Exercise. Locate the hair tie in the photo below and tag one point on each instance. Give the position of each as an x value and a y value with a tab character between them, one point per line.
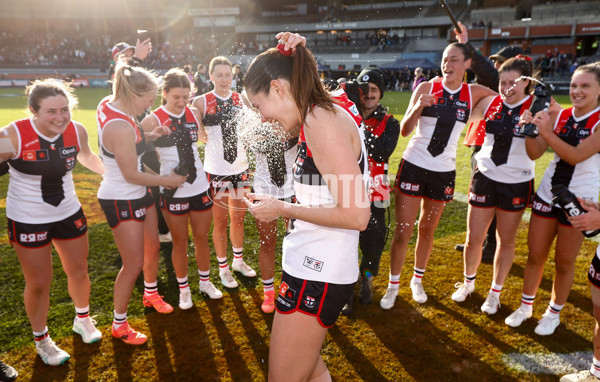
527	58
281	49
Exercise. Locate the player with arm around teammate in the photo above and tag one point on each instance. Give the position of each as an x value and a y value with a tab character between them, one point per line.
573	135
438	110
502	184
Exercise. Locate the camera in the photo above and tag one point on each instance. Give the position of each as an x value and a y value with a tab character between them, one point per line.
569	203
355	91
542	96
180	169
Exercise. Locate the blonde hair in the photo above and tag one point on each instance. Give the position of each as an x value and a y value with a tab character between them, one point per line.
133	80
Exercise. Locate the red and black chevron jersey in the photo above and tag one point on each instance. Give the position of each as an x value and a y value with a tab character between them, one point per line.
305	171
41	188
181	146
224	153
583	178
434	144
314	252
503	156
114	186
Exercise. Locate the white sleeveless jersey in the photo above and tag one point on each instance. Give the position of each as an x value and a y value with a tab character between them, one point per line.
314	252
181	145
434	144
273	174
224	153
41	188
113	185
583	178
503	156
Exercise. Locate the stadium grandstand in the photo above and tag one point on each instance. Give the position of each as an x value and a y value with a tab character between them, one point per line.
73	38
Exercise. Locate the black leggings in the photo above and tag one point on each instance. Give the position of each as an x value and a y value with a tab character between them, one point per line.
372	240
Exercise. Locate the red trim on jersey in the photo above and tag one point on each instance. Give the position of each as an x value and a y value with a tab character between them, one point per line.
437	89
105	113
29	139
210	102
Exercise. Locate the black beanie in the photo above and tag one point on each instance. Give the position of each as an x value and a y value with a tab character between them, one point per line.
373	75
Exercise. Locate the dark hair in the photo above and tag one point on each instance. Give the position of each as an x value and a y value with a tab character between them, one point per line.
41	89
200	67
219	60
466	51
301	72
591	68
175	78
521	65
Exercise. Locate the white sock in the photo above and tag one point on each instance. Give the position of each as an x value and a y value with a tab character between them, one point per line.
394	282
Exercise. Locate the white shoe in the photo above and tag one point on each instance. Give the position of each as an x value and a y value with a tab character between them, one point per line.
548	324
519	316
463	290
227	279
582	376
211	290
185	299
165	237
418	293
50	353
491	304
86	328
388	299
243	268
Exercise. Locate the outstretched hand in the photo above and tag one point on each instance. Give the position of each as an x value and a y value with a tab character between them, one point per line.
142	49
463	36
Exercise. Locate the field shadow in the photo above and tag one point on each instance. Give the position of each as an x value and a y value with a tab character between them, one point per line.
82	354
363	367
422	340
123	358
258	343
236	364
45	373
181	346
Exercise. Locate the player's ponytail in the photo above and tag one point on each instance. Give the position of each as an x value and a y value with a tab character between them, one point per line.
132	80
300	69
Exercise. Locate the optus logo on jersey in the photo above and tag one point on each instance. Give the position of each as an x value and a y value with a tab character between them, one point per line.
65	152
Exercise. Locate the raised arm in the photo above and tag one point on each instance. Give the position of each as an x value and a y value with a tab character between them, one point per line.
419	100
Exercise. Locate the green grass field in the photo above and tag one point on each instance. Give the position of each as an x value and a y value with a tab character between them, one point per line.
228	339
